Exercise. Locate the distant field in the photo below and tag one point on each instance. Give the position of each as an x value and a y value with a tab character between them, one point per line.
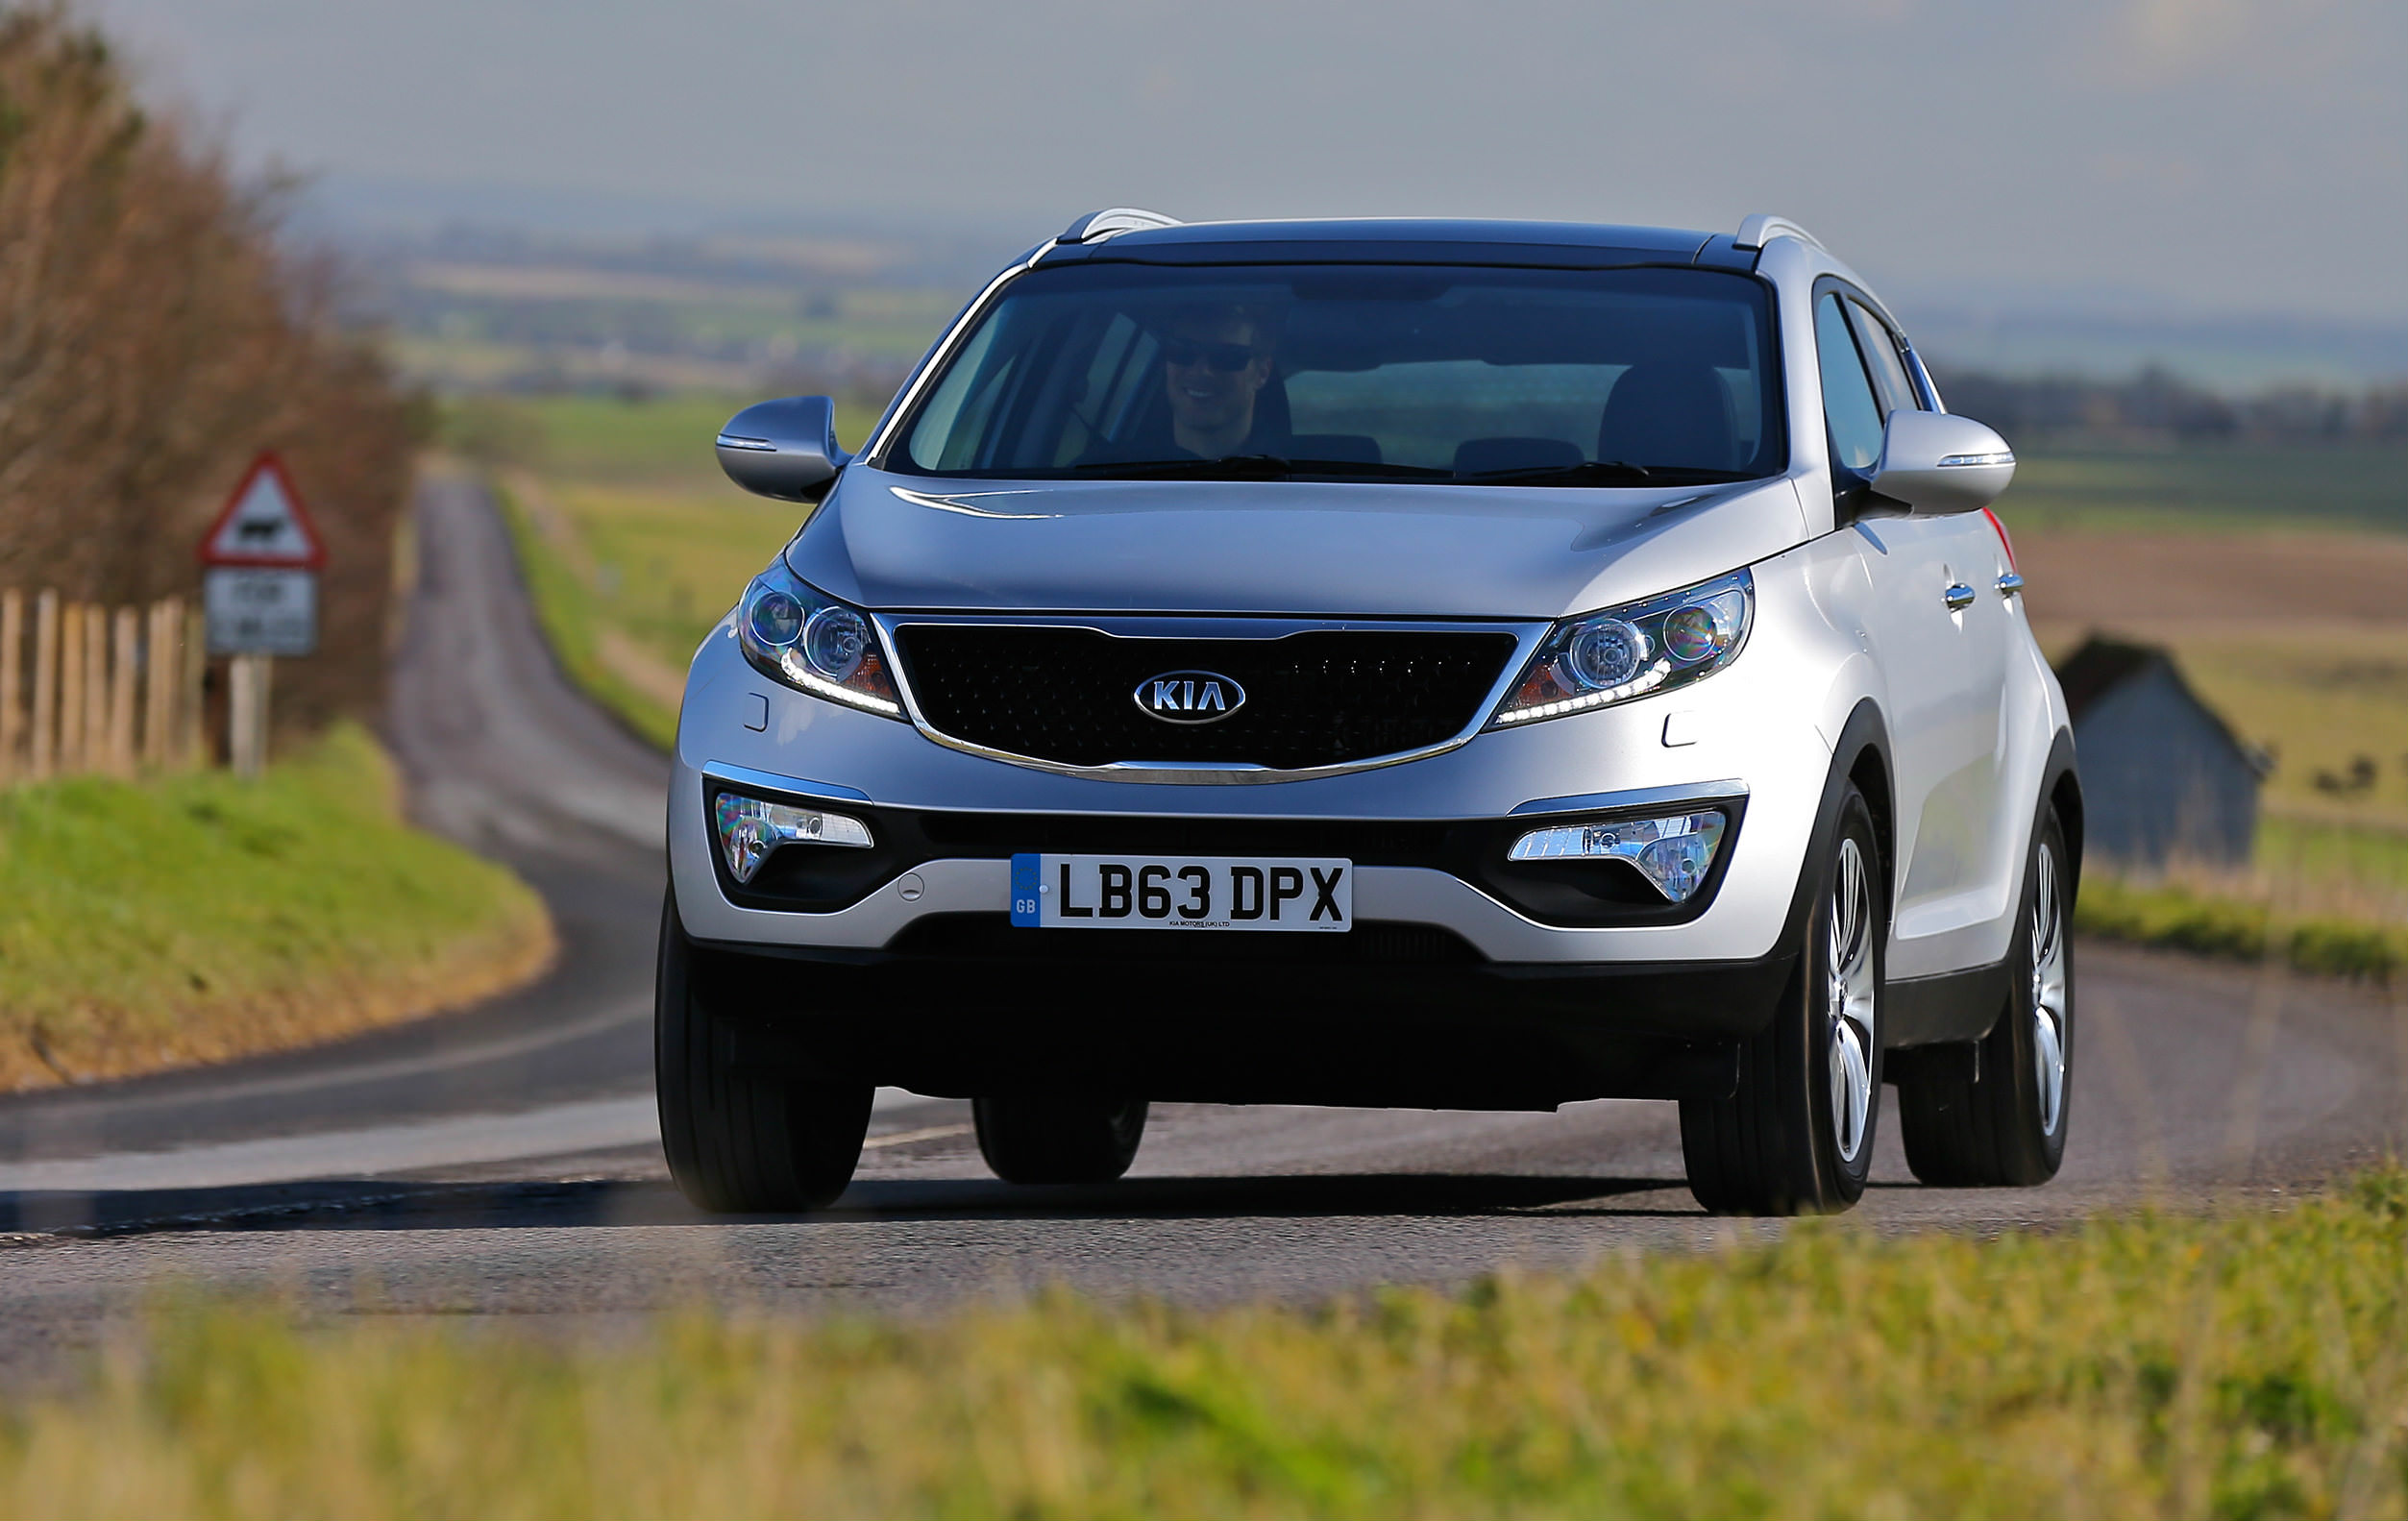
475	325
2299	639
2217	486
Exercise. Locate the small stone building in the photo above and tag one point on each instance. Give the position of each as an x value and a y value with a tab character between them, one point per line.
2162	777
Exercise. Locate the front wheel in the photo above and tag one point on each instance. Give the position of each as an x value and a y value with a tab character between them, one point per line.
741	1139
1796	1135
2006	1127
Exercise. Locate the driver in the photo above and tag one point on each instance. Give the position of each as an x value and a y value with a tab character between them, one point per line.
1216	360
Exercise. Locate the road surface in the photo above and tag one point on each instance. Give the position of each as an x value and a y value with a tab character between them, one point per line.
504	1160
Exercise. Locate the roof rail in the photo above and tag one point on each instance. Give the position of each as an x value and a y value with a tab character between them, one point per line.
1113	219
1760	229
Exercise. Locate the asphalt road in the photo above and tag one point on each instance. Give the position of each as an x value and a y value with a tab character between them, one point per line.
504	1160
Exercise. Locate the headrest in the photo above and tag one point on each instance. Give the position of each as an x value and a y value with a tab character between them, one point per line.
1669	413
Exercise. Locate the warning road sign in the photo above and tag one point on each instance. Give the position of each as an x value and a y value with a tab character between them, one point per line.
259	588
264	523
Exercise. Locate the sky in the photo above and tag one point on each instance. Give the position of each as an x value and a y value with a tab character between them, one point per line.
2208	155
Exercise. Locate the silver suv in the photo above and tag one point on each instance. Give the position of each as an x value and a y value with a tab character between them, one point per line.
1446	664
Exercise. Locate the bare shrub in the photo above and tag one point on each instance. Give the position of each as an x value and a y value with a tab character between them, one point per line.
153	338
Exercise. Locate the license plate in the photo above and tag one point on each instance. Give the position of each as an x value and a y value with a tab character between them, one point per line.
1122	892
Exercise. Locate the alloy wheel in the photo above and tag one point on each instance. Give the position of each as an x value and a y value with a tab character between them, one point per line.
1849	1001
2048	998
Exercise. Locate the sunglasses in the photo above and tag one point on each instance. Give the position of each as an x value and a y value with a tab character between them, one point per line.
1227	357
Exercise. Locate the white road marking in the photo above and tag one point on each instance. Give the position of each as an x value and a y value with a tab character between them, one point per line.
595	1124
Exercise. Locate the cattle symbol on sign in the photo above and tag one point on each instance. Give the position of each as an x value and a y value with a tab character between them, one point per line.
260	590
264	523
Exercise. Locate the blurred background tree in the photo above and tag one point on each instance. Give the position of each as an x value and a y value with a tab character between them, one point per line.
153	337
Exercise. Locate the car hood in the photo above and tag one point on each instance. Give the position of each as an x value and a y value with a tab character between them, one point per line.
1342	550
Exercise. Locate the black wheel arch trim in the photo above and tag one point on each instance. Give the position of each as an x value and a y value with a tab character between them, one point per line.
1959	1008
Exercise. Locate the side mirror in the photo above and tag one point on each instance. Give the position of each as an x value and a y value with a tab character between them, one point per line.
784	448
1938	462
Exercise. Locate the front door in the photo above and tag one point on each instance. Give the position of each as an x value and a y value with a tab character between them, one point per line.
1938	628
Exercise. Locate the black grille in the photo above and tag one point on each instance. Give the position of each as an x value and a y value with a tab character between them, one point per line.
1323	697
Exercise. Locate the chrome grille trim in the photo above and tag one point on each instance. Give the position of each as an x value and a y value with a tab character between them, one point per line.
1526	637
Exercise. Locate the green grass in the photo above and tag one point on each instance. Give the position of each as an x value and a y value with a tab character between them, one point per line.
2374	860
195	916
2325	899
633	542
2207	922
626	580
2236	485
2238	1363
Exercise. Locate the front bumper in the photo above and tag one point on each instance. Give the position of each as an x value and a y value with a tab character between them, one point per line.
1747	737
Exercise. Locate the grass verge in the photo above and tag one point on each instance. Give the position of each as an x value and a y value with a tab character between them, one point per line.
2327	899
195	918
2241	1363
2182	917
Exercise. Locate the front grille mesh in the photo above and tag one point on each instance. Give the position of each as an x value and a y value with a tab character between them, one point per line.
1322	698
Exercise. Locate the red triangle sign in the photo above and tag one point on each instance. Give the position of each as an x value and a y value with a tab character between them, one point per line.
264	523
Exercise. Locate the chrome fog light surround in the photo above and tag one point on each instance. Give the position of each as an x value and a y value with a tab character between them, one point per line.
1674	852
750	828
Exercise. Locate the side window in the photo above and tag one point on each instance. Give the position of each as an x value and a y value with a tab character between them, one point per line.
1848	407
1889	370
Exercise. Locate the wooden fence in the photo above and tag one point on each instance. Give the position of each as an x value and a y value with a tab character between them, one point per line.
86	687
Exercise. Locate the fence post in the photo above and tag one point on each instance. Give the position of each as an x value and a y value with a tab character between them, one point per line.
247	704
12	672
126	635
195	741
43	751
70	689
160	673
96	687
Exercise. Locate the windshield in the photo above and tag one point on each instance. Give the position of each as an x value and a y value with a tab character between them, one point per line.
1622	376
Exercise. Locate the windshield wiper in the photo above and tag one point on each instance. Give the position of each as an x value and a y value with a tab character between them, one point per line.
1250	467
1587	473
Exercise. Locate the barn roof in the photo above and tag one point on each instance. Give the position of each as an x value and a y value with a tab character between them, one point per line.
2101	665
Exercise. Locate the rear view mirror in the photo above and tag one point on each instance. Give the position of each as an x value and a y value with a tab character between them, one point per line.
1938	462
784	448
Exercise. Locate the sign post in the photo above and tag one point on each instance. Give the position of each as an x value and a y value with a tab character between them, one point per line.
259	596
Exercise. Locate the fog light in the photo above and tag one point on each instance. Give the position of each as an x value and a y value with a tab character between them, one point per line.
1674	853
750	828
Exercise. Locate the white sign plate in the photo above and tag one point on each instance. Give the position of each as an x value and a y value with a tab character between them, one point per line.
253	611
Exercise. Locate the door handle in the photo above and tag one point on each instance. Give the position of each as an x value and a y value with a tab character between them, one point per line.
1958	595
2009	585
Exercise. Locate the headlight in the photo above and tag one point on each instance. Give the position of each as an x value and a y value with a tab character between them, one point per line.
1632	652
814	643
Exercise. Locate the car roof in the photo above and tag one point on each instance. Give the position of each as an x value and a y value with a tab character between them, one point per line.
1408	240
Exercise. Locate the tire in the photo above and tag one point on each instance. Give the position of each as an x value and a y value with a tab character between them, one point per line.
739	1140
1059	1137
2006	1128
1796	1135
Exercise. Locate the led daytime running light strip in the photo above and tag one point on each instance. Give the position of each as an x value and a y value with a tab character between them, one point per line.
1646	680
797	670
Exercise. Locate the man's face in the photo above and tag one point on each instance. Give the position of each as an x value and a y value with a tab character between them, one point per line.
1212	371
